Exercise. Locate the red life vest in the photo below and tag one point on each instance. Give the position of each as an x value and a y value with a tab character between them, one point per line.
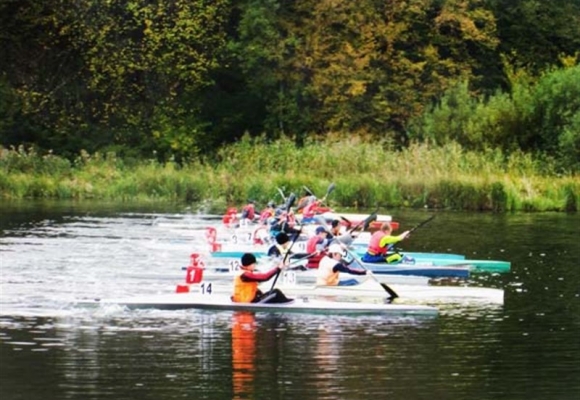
310	210
311	248
248	211
374	244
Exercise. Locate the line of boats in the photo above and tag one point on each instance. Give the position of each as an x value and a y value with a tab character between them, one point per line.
409	279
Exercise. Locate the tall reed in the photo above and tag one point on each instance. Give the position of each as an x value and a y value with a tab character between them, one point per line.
366	175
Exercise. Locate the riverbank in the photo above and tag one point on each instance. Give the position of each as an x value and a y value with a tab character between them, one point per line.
366	175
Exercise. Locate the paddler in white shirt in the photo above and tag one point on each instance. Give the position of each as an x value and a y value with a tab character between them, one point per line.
332	265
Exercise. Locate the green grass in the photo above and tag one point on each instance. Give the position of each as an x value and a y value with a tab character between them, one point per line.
366	175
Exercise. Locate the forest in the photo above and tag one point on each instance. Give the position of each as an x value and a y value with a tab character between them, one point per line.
179	80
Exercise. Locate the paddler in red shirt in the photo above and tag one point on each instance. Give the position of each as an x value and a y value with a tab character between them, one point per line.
246	283
316	247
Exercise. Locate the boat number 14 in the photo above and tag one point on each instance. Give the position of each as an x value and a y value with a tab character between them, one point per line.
206	288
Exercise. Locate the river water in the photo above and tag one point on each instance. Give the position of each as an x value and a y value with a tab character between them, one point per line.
53	254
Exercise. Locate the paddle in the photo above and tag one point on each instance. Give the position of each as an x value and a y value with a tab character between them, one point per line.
329	190
396	251
421	224
282	195
365	223
393	295
291	200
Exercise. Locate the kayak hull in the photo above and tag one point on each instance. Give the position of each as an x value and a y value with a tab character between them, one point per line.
474	266
183	301
430	271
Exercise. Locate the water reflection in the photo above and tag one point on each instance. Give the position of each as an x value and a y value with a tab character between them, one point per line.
243	354
526	349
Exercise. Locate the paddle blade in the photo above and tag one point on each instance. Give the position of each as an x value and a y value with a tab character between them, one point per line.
368	220
330	189
390	291
345	239
290	201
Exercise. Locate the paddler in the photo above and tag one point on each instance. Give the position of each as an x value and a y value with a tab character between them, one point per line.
281	247
246	283
316	247
380	243
332	264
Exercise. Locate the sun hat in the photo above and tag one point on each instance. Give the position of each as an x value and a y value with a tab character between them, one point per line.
335	248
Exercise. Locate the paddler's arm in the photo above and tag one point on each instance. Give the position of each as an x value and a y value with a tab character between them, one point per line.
259	276
387	240
340	267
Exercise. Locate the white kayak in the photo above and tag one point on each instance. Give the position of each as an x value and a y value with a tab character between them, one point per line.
370	288
181	301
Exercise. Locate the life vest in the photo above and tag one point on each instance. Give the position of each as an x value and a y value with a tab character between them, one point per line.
310	210
313	261
374	244
244	292
326	276
265	215
248	212
230	219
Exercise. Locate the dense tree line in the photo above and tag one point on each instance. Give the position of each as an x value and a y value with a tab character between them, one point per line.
180	78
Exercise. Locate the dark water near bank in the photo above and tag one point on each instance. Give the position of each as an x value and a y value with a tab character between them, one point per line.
52	254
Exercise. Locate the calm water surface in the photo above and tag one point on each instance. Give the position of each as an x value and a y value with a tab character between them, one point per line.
52	254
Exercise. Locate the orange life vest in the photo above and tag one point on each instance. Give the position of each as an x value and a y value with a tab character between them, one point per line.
244	292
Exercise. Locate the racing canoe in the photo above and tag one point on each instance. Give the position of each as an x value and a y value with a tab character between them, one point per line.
181	301
475	266
370	288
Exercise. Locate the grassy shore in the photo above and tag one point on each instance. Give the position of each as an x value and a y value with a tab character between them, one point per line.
366	175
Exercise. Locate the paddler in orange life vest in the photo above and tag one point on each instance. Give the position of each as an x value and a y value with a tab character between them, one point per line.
379	245
316	247
246	283
330	267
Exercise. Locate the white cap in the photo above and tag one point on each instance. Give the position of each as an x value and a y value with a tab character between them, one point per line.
335	248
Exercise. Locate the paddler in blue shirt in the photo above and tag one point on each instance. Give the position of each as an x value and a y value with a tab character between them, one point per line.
246	283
